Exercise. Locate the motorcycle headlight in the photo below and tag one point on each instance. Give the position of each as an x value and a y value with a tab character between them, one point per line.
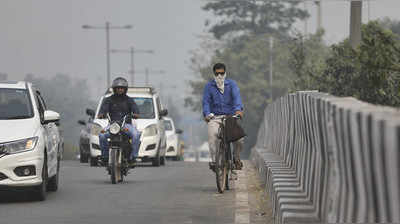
115	128
150	130
95	129
20	145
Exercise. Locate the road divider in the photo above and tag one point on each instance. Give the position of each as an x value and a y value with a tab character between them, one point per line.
330	159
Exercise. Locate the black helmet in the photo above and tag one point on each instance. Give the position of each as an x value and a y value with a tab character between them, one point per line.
120	82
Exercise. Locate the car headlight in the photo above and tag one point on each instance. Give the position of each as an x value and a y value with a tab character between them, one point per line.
20	145
150	130
115	128
95	129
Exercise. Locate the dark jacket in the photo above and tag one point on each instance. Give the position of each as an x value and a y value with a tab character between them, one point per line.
118	106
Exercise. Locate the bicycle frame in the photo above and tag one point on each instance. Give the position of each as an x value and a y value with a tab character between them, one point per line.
224	166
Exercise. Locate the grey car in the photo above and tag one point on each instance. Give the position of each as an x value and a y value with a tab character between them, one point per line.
84	138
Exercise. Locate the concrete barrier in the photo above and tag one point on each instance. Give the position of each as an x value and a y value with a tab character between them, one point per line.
327	159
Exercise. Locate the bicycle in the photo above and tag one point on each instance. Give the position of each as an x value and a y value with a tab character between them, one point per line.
224	159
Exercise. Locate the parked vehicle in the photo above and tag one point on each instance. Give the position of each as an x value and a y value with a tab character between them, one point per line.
149	123
30	146
84	138
204	152
172	139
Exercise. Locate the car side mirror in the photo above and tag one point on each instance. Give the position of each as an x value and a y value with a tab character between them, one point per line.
90	112
163	113
51	116
82	122
178	131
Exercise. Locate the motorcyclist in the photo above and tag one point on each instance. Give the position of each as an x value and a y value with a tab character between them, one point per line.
221	97
117	106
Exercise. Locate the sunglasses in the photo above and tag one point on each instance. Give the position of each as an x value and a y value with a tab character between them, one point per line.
219	73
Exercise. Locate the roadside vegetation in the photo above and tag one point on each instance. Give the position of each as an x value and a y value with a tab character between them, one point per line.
239	36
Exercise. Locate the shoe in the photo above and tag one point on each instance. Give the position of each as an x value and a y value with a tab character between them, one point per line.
212	166
238	164
132	162
103	161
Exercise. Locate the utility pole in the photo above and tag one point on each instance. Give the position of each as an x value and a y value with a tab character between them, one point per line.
305	20
107	28
319	15
132	52
271	68
355	23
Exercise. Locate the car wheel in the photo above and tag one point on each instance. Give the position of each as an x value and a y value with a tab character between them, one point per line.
40	191
92	161
156	161
52	185
162	160
82	157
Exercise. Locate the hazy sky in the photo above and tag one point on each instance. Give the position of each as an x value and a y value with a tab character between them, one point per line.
45	36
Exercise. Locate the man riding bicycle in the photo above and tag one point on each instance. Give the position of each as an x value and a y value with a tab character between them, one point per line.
118	106
221	97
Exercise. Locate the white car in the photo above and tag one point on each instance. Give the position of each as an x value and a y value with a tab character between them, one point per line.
150	124
204	153
30	146
172	139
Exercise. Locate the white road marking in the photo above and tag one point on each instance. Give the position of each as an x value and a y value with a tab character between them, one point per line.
242	213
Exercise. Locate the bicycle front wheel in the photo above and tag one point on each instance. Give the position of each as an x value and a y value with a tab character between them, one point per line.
221	169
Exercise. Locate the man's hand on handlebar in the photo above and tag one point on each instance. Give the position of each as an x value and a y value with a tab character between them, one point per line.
239	113
135	116
209	117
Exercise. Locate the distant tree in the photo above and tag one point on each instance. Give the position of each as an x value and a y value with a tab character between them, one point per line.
393	25
247	64
253	17
371	72
307	61
68	97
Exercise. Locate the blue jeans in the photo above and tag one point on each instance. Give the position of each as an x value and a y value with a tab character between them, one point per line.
132	132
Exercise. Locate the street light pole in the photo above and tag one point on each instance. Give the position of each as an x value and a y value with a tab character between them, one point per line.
107	28
271	47
132	52
147	76
355	23
108	53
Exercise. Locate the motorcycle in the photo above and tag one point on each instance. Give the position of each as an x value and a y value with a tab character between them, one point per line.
119	150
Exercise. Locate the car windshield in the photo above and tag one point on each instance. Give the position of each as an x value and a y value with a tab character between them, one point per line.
168	125
15	104
146	108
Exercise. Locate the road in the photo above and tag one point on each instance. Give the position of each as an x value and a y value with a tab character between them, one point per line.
180	192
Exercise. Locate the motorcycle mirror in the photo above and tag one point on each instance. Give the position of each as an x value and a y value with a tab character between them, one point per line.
90	112
82	122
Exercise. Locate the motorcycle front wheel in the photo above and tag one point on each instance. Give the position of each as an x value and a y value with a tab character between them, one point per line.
115	166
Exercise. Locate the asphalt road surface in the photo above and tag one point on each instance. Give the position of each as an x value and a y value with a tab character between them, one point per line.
180	192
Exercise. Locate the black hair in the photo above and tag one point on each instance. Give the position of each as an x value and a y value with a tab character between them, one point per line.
219	66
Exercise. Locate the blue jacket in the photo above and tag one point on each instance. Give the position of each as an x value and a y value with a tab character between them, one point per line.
221	104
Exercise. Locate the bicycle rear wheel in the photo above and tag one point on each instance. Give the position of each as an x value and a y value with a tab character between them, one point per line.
221	169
